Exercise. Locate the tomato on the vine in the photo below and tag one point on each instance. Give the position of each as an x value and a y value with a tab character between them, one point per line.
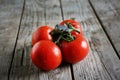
46	55
75	50
42	33
74	24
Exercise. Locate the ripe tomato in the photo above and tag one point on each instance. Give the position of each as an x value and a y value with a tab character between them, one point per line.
42	33
46	55
74	24
75	50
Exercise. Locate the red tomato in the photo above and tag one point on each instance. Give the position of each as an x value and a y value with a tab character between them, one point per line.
42	33
46	55
75	50
74	24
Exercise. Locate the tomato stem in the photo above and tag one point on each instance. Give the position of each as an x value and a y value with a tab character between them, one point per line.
63	33
58	40
71	27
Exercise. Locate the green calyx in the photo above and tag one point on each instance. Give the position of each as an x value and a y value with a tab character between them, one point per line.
63	33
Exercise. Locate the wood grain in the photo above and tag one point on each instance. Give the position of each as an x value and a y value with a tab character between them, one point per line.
102	63
10	14
109	15
36	13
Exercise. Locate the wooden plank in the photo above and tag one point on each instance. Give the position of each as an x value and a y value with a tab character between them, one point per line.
109	15
102	63
37	12
10	14
53	17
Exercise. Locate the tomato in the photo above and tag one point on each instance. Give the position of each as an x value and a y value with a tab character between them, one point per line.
42	33
46	55
75	50
74	24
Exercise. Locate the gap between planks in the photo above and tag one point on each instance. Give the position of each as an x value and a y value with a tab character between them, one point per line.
71	68
9	70
103	28
104	64
62	72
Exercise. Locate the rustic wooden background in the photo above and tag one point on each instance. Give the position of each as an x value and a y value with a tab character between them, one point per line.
100	20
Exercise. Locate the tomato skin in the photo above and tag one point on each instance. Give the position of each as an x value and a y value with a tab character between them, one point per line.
42	33
46	55
74	24
76	50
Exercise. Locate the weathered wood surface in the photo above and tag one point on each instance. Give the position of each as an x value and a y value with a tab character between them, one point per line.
19	18
36	13
10	14
108	12
102	63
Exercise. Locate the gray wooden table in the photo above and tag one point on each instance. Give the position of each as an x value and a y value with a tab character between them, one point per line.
100	20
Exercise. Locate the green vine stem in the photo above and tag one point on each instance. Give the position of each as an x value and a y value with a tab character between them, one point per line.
63	33
71	28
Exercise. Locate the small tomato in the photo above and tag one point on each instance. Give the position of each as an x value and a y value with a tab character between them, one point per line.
75	50
46	55
42	33
74	24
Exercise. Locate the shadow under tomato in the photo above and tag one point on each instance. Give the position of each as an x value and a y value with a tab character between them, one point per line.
22	67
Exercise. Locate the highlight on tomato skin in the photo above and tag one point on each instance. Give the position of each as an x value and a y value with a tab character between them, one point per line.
42	33
75	51
46	55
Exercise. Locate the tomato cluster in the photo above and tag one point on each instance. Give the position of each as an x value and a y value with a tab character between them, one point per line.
64	42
